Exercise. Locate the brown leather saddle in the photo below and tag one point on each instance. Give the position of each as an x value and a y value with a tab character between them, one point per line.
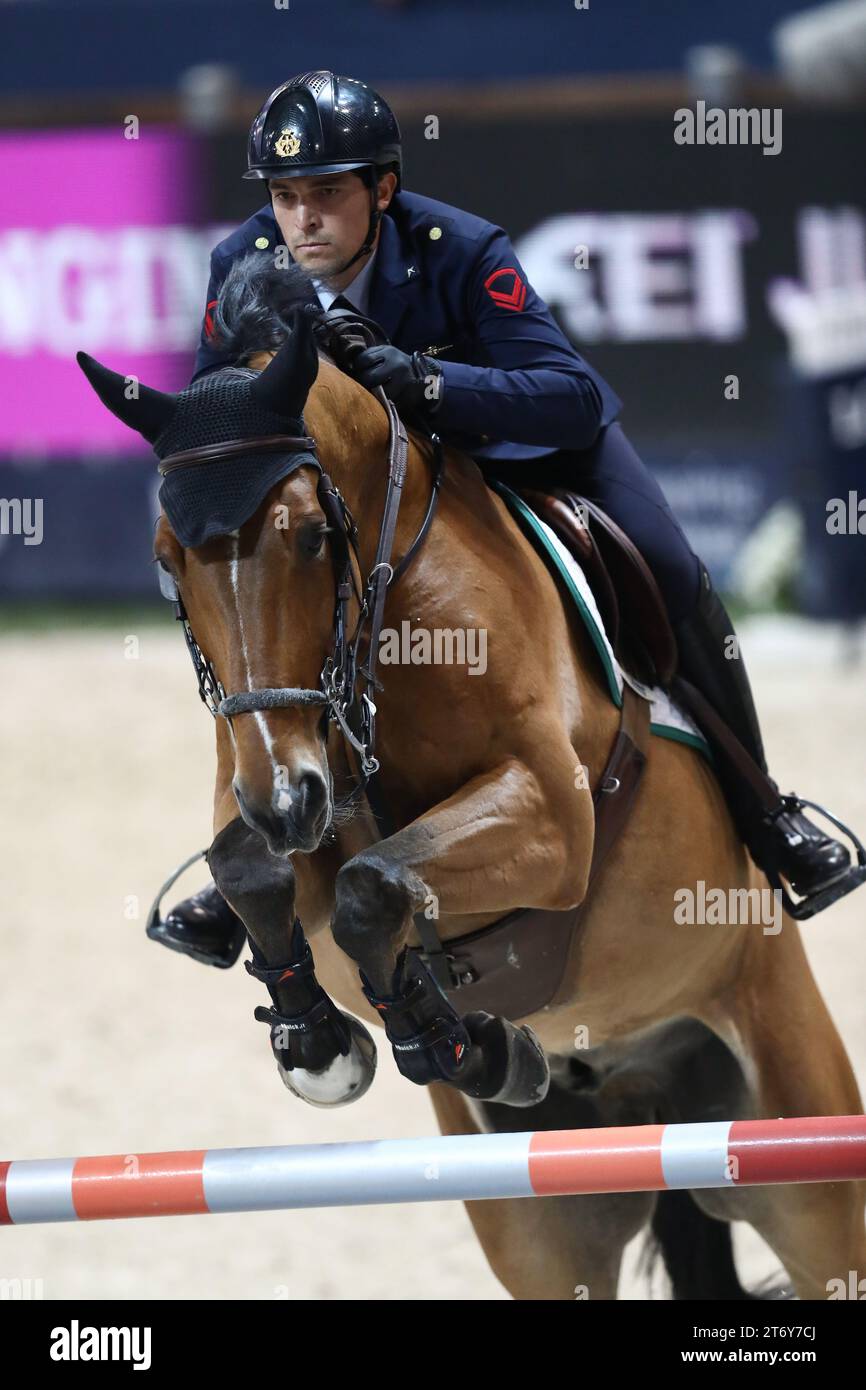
528	960
629	601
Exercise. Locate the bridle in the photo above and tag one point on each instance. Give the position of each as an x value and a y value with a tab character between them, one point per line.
348	681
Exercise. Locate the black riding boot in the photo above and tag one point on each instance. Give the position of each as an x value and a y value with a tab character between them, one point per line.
780	838
203	926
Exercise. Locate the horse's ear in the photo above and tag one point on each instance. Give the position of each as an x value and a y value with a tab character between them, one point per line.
148	412
285	383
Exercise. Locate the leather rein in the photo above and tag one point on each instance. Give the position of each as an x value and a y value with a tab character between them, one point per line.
347	681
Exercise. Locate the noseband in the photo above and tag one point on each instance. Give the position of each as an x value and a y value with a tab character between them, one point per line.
347	685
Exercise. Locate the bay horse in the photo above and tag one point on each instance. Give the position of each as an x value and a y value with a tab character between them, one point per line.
662	1022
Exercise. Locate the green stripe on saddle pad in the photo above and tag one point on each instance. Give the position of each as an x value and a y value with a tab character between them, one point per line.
668	721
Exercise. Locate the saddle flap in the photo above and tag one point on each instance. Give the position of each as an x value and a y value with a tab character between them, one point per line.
639	595
562	514
629	601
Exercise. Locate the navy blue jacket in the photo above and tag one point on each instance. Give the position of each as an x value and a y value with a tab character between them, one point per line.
443	279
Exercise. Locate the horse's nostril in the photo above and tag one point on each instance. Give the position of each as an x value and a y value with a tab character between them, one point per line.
312	795
296	815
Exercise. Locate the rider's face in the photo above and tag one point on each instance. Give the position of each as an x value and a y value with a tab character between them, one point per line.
324	217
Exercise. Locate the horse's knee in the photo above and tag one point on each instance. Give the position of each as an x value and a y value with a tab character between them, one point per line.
247	875
373	895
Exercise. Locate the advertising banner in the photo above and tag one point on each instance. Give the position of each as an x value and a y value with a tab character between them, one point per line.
98	251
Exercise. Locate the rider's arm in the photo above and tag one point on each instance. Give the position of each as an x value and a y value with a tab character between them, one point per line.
537	389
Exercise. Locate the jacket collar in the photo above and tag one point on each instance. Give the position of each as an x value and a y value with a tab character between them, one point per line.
396	278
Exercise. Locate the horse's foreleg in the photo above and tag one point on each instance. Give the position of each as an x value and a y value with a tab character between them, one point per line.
323	1055
501	842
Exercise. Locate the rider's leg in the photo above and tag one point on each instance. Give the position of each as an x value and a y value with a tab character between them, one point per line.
613	475
779	836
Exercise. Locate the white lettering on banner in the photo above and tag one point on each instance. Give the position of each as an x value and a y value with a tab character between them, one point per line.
19	271
74	262
652	276
832	247
675	276
135	289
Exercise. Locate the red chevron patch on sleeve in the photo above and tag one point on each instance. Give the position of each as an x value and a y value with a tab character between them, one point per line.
511	293
208	318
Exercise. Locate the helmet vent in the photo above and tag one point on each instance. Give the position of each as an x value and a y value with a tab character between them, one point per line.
315	81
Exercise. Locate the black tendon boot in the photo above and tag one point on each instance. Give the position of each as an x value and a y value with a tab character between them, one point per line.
481	1054
712	682
203	926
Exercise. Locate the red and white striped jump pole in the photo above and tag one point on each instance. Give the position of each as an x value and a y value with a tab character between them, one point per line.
645	1158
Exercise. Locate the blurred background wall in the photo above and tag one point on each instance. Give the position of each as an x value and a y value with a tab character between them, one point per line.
724	296
150	43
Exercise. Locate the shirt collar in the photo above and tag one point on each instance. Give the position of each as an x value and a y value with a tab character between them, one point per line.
358	293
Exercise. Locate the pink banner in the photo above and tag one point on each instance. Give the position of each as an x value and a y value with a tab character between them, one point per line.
98	251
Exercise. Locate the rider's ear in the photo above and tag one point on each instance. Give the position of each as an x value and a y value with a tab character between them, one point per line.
386	186
138	406
285	383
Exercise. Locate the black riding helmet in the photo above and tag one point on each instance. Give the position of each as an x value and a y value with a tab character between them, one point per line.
318	123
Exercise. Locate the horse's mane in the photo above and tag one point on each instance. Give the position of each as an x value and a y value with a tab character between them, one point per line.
255	305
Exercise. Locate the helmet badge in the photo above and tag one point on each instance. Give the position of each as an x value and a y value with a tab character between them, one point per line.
287	144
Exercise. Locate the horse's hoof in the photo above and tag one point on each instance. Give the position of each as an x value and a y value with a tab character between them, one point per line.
516	1057
343	1080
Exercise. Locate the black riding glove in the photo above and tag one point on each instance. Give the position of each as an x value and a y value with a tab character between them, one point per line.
413	383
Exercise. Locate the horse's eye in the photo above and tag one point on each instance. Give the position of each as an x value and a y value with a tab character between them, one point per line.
313	539
167	581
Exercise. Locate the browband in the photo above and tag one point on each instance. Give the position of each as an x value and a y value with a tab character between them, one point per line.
233	448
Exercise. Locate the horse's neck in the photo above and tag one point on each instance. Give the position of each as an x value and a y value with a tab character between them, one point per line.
351	432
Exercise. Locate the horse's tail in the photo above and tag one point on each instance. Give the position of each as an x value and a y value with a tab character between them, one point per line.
700	1078
697	1250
